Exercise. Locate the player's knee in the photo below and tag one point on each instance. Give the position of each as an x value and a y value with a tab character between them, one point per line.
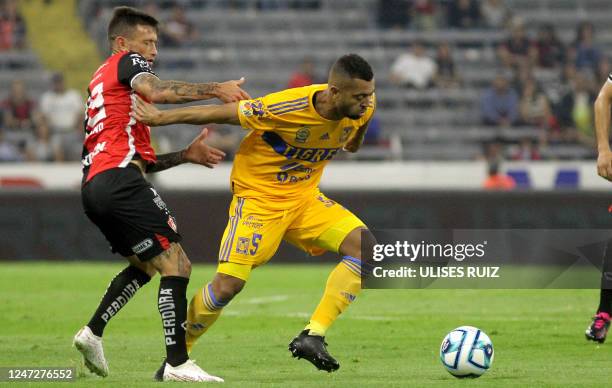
360	240
368	241
227	287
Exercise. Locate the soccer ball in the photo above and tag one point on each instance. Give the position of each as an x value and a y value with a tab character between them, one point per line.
466	352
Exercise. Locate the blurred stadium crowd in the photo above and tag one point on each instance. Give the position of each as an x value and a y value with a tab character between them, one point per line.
456	79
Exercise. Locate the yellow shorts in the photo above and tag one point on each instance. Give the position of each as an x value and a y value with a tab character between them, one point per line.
253	234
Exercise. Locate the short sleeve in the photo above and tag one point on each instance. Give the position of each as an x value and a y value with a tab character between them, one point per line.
253	114
131	66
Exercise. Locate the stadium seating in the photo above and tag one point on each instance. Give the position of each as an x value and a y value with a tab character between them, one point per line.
267	46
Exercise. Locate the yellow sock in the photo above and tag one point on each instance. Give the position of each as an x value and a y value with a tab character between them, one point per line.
203	311
343	286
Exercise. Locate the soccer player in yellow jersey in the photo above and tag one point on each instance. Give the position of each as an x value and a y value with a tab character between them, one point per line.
293	134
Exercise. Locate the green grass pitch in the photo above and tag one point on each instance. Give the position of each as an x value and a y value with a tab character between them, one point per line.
387	338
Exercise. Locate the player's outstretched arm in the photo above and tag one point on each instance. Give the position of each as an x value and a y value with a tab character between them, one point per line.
198	152
202	114
602	130
178	92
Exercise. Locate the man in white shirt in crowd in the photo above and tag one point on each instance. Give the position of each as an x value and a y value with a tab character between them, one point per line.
63	109
413	69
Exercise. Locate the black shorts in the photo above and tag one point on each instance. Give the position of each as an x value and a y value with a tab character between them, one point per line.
130	213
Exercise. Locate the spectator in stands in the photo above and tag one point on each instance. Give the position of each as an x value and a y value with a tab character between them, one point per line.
587	55
425	14
463	14
495	13
527	149
549	51
574	111
63	111
43	148
413	69
12	26
515	51
497	180
499	104
178	30
394	14
304	76
18	108
534	106
446	76
9	152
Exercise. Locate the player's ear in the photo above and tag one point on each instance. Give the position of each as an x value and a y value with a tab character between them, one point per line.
334	90
121	43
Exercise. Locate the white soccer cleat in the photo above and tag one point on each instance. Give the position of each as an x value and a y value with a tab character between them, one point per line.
90	347
189	371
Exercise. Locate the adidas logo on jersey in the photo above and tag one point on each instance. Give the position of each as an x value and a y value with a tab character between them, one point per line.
325	136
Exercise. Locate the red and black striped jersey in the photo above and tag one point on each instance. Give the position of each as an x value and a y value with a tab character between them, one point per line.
112	137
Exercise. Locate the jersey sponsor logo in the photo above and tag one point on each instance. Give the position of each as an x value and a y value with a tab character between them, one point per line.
142	246
252	108
302	134
138	60
88	159
346	131
291	152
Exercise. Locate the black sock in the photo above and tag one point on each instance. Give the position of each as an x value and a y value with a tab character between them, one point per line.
605	298
605	301
119	292
172	304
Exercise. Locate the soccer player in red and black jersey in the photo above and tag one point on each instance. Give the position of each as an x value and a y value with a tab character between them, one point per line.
118	199
598	330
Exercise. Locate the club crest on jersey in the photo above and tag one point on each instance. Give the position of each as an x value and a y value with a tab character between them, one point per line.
346	131
302	135
252	108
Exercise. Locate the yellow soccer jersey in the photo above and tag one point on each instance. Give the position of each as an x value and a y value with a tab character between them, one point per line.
281	160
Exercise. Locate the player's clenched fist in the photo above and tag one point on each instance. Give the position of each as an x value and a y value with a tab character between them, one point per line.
231	91
604	164
199	152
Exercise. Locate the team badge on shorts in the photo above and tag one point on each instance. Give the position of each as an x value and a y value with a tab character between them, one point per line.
172	223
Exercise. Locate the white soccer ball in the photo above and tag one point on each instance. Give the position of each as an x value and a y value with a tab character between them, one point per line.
466	352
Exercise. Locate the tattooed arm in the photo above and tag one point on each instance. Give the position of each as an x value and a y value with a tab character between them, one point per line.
166	161
178	92
198	152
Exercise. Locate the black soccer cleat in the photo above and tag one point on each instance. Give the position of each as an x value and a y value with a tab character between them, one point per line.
599	328
159	375
313	348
